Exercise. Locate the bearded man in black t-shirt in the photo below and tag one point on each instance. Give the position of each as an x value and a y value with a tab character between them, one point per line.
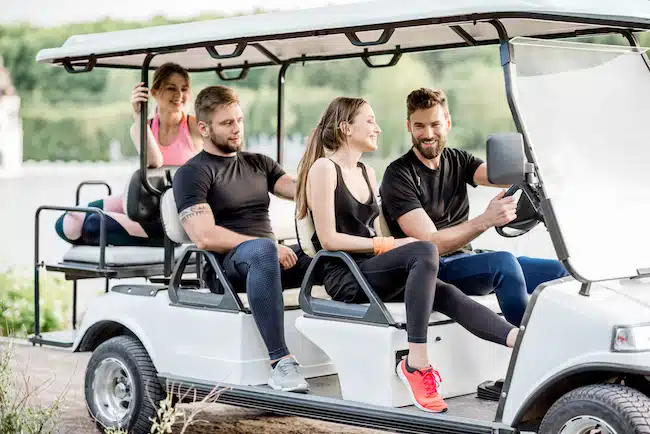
424	196
222	196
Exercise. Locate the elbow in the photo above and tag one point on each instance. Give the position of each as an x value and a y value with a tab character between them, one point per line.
201	242
327	244
155	160
155	163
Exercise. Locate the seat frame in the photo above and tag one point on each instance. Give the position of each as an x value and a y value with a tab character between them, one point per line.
75	270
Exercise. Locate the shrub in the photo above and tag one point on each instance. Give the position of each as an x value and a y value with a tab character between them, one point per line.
18	411
17	304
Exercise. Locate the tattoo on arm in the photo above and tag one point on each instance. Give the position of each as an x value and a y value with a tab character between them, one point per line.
193	211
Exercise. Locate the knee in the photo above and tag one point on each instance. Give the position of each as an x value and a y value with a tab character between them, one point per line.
507	265
506	262
426	252
264	252
558	270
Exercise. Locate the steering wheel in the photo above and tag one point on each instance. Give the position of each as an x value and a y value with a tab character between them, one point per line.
529	213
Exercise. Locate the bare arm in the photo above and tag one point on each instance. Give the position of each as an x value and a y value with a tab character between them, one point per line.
481	177
140	95
198	222
417	224
197	139
321	183
285	187
154	156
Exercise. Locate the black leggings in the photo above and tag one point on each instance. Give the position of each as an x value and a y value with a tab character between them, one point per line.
254	267
409	273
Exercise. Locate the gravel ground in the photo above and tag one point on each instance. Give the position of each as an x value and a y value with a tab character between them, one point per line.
59	373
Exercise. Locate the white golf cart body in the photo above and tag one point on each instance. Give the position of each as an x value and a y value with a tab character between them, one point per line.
589	328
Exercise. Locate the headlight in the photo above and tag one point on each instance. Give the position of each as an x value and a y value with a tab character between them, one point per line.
631	338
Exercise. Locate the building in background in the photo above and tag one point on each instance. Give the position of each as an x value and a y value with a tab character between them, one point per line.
11	132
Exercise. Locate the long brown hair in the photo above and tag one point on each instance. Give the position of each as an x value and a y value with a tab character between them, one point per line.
327	135
166	70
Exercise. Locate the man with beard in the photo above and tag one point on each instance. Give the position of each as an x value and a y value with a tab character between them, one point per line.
424	196
222	196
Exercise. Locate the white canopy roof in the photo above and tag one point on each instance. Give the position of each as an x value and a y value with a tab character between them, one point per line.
279	36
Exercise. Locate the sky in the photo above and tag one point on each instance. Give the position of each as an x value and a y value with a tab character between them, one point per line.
48	13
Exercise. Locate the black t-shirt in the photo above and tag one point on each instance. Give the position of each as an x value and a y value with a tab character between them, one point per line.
442	193
236	188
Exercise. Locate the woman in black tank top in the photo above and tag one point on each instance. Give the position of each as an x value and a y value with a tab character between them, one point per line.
340	193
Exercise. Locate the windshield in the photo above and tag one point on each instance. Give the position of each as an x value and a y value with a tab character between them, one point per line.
586	111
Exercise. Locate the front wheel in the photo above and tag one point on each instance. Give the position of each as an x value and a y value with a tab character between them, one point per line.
122	389
599	409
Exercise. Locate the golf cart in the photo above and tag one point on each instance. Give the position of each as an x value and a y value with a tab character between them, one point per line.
581	363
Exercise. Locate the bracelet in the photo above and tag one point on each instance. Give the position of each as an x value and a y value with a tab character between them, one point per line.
382	244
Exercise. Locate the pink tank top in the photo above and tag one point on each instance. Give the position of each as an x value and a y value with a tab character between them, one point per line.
180	149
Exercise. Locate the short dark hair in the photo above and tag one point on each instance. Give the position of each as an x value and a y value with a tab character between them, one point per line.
210	99
423	99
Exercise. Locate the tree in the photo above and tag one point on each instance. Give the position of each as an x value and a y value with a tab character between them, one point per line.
386	90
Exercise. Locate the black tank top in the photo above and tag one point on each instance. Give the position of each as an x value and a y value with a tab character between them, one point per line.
352	217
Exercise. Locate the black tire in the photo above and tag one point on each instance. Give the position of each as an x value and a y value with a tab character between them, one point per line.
625	410
146	389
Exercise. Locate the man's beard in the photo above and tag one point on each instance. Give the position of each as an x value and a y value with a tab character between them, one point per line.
223	144
430	152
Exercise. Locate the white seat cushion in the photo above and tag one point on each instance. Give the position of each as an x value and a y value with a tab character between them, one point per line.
281	213
121	256
398	310
171	222
290	296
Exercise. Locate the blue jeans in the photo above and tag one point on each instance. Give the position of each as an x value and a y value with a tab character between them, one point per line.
511	278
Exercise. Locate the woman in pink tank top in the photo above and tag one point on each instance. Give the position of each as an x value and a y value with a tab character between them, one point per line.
172	138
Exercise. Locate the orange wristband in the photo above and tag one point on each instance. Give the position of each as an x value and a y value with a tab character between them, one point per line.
376	245
382	244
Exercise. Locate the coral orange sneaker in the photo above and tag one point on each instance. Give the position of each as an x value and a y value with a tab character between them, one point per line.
423	386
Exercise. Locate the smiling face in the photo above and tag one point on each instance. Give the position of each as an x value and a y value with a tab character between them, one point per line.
173	93
362	133
429	129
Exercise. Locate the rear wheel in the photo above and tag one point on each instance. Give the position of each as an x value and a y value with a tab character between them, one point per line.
599	409
121	386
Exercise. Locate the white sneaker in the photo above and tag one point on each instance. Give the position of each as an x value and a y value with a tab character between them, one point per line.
287	378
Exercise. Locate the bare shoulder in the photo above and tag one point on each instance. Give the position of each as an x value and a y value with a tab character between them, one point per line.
322	167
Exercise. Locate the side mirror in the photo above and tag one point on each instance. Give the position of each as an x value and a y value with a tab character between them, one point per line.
506	160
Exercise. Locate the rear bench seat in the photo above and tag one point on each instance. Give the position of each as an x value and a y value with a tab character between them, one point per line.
125	261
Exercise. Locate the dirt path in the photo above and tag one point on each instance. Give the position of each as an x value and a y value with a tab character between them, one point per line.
59	372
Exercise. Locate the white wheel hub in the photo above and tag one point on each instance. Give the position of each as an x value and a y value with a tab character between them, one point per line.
586	425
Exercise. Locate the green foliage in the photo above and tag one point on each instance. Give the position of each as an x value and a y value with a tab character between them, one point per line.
386	90
76	116
82	133
17	304
19	413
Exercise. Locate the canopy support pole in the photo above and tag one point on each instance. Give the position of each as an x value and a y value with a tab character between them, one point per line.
280	118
